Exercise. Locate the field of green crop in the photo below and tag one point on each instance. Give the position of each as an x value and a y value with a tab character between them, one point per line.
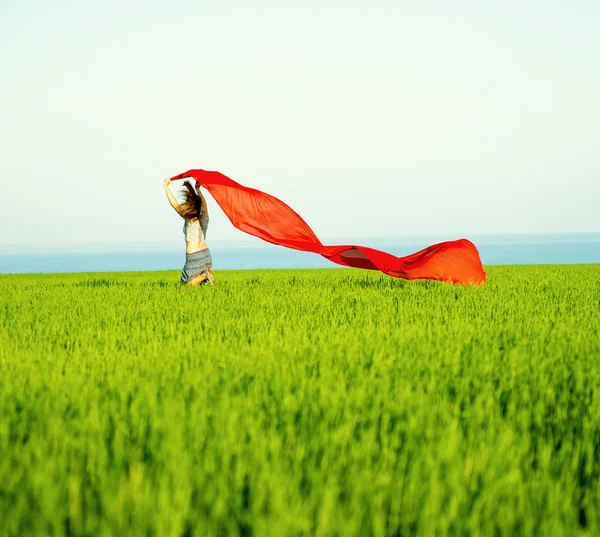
296	403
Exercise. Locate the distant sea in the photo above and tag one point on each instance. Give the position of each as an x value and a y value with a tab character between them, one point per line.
568	248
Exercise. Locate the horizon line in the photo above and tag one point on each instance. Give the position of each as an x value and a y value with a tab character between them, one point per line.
254	241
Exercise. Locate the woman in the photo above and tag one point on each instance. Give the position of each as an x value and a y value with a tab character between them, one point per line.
198	261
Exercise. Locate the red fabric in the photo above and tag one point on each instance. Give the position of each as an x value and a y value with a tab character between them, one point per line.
268	218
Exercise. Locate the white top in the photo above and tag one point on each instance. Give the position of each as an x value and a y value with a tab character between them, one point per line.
195	230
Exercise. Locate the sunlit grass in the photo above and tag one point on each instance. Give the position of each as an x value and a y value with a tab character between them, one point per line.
300	402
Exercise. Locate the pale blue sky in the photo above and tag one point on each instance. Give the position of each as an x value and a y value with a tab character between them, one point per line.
369	118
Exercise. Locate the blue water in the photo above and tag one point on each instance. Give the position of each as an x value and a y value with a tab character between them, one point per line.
494	250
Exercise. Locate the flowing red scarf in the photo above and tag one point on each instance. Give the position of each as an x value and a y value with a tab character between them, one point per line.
271	220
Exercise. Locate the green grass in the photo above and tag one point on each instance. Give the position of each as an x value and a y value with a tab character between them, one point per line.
292	403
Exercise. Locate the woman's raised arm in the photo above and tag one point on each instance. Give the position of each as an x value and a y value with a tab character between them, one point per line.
172	199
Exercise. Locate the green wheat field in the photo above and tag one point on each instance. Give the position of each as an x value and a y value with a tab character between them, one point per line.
300	403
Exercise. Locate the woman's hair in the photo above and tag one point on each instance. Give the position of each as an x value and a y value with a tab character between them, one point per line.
191	208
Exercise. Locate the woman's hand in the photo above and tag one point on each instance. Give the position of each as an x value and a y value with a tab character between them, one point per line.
167	182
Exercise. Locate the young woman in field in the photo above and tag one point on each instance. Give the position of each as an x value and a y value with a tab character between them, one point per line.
198	261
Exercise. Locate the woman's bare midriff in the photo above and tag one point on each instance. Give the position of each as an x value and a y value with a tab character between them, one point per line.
191	247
